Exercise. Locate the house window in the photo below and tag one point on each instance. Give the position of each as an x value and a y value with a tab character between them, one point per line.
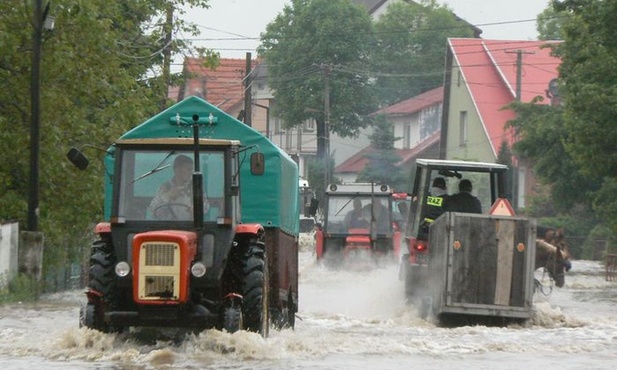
407	136
463	128
459	78
309	125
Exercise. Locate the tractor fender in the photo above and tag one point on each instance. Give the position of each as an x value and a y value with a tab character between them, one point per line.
102	228
250	229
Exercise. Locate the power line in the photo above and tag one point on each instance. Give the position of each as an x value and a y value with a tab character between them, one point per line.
420	29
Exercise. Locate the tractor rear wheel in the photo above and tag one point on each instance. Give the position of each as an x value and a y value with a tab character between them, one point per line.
255	291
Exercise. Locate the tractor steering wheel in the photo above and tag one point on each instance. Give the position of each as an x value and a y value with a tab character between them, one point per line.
170	206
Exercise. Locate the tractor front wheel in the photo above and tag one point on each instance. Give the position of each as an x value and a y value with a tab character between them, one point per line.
101	282
255	290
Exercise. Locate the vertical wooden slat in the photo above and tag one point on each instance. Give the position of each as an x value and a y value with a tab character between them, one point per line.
505	248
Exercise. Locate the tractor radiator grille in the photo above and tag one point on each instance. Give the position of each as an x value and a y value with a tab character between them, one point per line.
160	254
159	271
159	286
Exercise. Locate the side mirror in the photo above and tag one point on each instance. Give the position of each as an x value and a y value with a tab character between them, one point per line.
258	164
78	159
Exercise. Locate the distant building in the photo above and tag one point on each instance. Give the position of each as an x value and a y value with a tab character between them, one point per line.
417	122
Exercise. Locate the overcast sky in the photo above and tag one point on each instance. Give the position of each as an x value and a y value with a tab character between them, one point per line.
232	27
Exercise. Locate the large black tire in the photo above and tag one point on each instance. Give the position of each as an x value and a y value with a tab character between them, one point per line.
101	280
255	292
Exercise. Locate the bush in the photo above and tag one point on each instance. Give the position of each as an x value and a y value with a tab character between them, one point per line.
22	288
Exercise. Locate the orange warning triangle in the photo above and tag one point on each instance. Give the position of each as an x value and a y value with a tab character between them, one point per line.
501	207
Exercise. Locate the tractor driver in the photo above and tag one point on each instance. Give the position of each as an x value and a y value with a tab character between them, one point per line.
434	204
174	198
355	218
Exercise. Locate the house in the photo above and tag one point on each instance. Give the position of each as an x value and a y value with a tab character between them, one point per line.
481	79
376	8
300	141
416	121
225	87
222	86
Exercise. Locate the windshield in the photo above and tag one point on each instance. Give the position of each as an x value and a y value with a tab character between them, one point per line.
157	185
347	212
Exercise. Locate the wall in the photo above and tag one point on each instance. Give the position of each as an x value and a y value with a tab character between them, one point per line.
9	240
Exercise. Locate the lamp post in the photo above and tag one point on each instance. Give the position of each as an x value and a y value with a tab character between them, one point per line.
41	21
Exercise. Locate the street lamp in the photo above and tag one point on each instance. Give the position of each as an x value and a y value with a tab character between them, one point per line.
41	22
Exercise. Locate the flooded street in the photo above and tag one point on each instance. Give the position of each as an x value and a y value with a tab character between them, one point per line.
347	320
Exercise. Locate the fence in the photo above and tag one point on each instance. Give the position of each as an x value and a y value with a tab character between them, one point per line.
70	277
611	267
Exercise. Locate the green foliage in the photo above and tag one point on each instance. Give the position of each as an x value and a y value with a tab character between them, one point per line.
588	85
550	24
316	172
317	43
94	86
543	139
411	39
599	242
382	161
21	289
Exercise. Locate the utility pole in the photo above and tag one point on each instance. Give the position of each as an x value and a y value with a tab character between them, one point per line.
514	178
519	71
247	91
326	100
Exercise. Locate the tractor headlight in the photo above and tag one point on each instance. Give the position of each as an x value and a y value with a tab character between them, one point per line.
123	269
198	269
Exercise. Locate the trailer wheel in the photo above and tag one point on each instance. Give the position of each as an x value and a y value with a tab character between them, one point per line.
256	282
285	317
101	280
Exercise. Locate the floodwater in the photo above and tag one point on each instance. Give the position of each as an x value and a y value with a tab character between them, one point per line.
347	320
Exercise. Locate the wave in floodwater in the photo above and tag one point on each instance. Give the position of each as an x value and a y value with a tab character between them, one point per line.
346	319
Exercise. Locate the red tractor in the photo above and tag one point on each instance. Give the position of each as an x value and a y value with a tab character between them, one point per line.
205	258
358	226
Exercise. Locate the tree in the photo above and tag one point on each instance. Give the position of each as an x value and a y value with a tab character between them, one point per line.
588	86
382	166
543	138
550	23
313	50
411	39
94	86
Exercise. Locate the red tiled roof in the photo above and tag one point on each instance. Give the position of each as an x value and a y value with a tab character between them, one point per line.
415	104
489	70
356	163
223	86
